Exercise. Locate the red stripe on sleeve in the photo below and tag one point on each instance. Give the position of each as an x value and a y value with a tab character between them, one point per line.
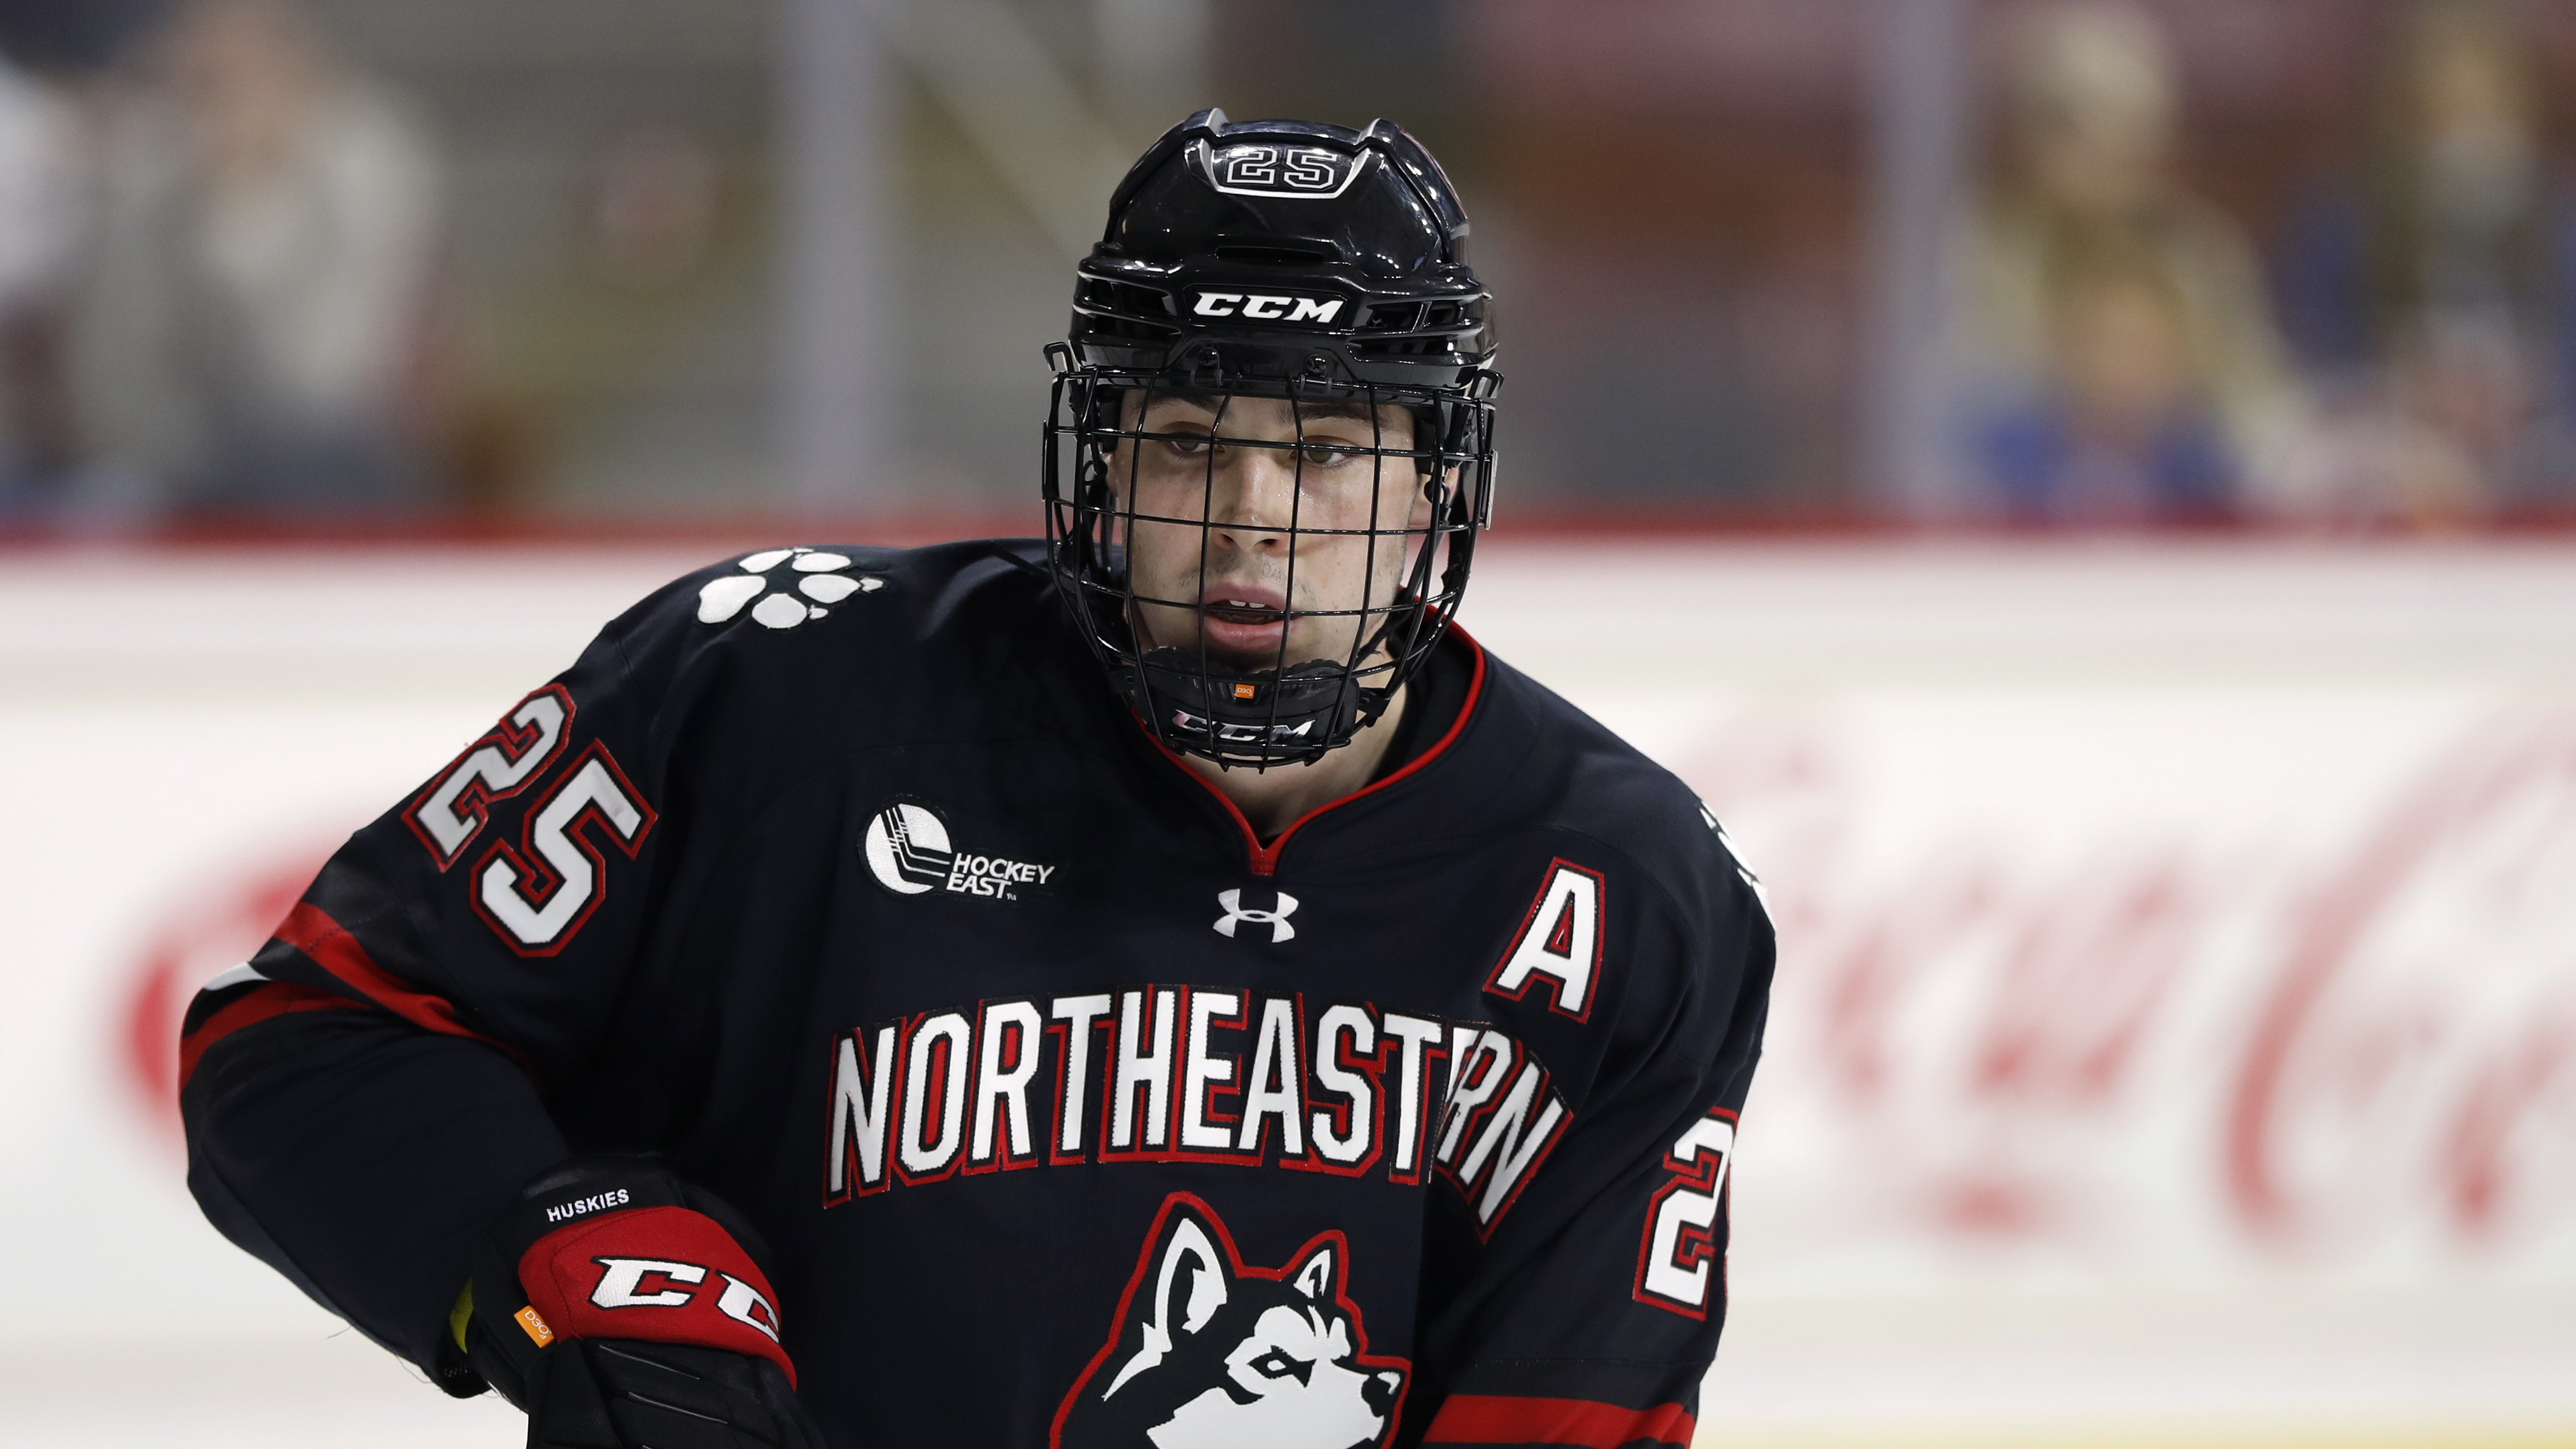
1493	1419
310	930
273	998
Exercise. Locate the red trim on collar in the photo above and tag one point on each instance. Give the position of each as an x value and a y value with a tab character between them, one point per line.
1265	858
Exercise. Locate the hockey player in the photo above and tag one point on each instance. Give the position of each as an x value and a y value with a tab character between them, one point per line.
1165	985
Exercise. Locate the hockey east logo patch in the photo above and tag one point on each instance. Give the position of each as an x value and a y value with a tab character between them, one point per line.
910	852
1208	1352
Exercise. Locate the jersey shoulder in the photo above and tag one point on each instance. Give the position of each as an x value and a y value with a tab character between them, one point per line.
852	638
885	597
1573	776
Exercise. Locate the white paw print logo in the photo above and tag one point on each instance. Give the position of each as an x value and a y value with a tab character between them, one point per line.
817	576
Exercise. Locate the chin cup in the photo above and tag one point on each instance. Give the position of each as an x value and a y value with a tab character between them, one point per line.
1273	717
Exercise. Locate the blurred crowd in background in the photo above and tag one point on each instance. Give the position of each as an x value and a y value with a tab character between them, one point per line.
2298	262
2386	338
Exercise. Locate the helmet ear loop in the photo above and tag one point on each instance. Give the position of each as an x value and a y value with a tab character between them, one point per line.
1432	460
1408	609
1077	521
1466	455
1094	501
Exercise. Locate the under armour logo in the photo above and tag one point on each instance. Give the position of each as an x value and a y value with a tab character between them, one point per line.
1276	920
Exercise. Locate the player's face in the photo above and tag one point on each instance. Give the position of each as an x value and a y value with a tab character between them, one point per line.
1242	589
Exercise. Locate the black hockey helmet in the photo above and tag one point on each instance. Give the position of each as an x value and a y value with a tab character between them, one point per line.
1285	260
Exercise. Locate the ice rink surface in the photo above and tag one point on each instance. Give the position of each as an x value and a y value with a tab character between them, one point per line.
2175	1040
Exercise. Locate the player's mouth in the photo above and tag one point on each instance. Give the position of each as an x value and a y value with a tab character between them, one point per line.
1239	619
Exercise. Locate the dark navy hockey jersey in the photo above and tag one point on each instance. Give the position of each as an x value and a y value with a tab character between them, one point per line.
841	879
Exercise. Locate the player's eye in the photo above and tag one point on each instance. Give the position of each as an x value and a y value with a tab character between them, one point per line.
1188	445
1327	455
1278	1365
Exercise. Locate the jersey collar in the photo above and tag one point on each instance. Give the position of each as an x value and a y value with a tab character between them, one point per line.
1264	859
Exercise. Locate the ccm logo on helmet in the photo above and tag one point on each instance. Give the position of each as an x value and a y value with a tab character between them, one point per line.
1266	307
661	1283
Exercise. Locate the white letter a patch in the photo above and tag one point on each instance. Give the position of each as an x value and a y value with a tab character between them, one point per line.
1560	939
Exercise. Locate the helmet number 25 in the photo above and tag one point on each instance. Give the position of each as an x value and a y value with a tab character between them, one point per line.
1279	166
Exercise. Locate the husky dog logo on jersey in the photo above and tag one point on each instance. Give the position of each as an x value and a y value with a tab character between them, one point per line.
1207	1352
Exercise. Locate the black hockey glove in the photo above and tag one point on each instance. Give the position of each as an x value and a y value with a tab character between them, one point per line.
622	1307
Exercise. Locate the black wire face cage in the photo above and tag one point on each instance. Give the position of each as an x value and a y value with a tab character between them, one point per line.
1284	709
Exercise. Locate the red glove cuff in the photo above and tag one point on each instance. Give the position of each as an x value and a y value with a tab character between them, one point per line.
663	1274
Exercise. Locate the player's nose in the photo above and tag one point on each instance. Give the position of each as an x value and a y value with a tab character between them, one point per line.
1255	500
